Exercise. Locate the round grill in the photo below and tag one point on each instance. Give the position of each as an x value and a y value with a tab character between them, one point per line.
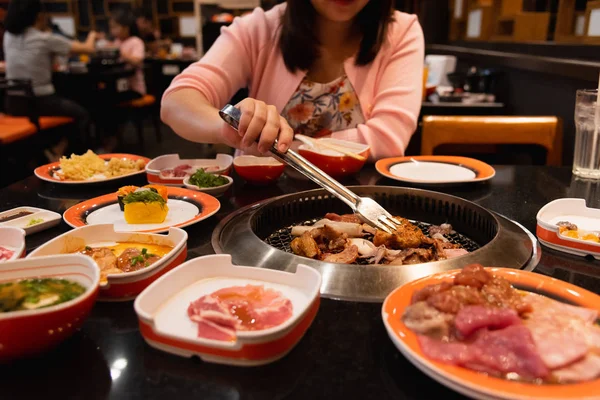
260	235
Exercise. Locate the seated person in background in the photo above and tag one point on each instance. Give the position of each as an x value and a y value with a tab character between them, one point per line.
350	69
124	30
29	53
151	36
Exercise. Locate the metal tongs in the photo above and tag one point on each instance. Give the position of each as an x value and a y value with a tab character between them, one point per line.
366	208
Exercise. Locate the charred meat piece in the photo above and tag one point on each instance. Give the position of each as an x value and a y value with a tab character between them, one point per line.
405	237
443	229
133	259
566	225
330	239
353	218
413	256
348	256
426	320
305	246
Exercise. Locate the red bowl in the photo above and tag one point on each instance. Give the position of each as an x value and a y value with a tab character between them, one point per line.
29	332
334	163
258	170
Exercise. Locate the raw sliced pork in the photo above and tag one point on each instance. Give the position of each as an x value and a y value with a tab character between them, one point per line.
239	308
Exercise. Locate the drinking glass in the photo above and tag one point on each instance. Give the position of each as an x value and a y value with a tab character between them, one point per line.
586	161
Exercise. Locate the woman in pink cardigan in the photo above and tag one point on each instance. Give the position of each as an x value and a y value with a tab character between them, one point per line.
349	69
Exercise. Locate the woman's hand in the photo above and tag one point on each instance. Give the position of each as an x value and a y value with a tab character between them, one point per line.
259	123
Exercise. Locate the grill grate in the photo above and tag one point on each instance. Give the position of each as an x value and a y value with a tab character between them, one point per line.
281	238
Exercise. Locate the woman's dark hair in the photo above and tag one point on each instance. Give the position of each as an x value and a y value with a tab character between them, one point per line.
299	44
21	14
125	17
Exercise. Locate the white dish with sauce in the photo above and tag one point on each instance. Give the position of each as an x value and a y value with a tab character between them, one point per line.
30	219
125	285
165	325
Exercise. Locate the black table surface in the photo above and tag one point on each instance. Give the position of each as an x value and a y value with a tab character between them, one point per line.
345	354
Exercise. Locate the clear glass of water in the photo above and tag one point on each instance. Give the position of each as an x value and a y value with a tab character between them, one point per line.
586	161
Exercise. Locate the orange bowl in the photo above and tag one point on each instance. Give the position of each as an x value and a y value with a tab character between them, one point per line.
334	163
258	170
29	332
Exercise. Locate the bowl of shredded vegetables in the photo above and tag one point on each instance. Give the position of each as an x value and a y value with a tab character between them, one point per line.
203	181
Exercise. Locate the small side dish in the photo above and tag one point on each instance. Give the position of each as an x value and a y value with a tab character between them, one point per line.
12	243
30	219
221	314
31	294
481	322
203	179
568	229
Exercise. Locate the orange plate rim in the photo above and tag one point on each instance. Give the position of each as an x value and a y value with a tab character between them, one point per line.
210	206
482	170
43	172
472	382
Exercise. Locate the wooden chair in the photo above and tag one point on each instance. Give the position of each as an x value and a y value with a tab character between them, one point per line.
490	130
140	109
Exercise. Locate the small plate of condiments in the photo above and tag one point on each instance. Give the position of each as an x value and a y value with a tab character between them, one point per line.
30	219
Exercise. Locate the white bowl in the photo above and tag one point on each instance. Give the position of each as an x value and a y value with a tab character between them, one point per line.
214	191
156	165
127	285
13	239
164	323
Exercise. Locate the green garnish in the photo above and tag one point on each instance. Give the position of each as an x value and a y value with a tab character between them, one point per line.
37	293
144	196
35	221
141	258
203	179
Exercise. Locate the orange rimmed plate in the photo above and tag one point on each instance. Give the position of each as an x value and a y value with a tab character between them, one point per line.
186	207
435	170
475	384
50	172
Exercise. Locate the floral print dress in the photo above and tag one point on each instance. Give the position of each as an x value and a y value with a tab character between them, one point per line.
319	109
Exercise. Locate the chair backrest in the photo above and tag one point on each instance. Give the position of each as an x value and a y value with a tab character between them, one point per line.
20	91
541	131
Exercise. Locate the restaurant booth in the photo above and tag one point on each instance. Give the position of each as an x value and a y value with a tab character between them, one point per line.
137	264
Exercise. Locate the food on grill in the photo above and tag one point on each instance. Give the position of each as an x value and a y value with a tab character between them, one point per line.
239	308
481	322
571	230
145	206
6	254
90	166
345	239
31	294
203	179
124	257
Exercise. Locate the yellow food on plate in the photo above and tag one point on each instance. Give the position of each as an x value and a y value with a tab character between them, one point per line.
145	206
119	166
90	165
80	168
146	213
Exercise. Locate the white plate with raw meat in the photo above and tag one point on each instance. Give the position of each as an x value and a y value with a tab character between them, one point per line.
498	333
228	314
170	170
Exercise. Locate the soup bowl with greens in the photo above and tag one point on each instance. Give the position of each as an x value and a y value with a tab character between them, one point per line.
43	301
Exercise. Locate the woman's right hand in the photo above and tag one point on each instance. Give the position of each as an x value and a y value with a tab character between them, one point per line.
259	123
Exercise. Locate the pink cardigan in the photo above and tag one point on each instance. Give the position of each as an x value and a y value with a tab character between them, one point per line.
389	89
